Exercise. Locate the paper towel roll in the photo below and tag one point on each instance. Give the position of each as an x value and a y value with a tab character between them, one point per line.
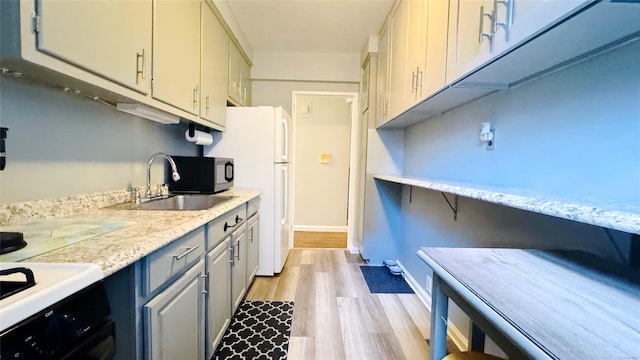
199	137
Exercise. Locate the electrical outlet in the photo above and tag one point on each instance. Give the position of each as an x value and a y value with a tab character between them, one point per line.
429	283
491	143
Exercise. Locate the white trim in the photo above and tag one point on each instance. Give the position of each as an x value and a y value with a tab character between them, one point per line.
320	228
354	250
354	165
456	336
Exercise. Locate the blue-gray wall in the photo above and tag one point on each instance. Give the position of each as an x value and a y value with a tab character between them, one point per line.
60	144
575	131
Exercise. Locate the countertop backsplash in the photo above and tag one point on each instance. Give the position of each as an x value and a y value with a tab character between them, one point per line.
19	212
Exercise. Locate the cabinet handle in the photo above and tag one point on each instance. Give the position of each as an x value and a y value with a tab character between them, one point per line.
251	234
140	68
227	226
195	97
509	21
232	250
205	280
238	253
185	253
481	31
244	94
420	80
207	104
414	77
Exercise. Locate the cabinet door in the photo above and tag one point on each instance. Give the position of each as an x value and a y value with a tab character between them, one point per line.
214	72
382	104
467	46
398	59
238	267
176	53
234	73
174	319
416	52
245	82
433	78
518	20
253	248
219	297
70	30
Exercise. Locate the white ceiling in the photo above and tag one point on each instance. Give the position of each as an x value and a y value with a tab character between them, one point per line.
335	26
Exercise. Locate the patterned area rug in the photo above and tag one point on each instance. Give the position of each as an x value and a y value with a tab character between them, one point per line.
258	330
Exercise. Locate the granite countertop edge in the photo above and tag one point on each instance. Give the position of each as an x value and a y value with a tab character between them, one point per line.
150	231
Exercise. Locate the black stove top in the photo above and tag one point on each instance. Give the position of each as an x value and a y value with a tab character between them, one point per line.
8	288
11	241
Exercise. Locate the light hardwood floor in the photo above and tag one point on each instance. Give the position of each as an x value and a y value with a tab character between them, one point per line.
336	317
316	239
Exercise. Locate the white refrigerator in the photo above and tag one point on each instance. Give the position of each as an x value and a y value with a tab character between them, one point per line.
259	141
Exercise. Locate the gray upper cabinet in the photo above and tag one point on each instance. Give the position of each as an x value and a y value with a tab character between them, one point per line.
219	301
470	36
517	20
176	54
118	34
174	319
214	73
382	77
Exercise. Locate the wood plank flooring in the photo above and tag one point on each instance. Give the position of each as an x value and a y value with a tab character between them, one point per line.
336	317
317	239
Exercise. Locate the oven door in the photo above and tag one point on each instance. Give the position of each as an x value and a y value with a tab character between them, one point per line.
101	345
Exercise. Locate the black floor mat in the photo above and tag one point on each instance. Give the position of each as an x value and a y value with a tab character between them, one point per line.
380	280
258	330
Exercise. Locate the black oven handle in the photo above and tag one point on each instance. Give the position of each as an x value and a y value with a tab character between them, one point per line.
228	166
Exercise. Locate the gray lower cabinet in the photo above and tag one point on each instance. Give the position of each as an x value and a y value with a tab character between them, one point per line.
253	247
174	318
219	293
238	266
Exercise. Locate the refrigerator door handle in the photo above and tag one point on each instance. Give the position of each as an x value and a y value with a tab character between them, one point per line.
285	195
285	135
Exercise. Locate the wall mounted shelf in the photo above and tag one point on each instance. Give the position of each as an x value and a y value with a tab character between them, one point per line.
607	213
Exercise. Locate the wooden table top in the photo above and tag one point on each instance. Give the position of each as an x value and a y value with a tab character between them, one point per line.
572	305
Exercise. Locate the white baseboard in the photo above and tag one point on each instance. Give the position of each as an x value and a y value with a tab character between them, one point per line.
453	333
319	228
354	250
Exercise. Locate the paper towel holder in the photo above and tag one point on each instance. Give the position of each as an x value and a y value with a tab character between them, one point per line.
192	129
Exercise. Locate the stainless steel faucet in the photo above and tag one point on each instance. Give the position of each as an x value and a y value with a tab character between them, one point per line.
174	170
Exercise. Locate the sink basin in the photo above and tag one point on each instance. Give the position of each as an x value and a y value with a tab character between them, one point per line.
177	202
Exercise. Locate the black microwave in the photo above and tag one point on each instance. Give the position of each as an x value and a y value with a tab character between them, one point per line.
201	175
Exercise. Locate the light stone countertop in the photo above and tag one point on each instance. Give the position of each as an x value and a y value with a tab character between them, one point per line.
148	231
608	213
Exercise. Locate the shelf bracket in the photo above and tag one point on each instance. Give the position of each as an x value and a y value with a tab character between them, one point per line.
453	207
410	193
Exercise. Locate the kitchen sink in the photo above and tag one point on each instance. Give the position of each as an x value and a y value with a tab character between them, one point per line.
177	202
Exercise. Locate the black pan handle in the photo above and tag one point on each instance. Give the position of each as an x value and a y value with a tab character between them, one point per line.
27	273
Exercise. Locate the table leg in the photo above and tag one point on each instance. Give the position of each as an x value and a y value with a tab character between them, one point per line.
477	338
439	315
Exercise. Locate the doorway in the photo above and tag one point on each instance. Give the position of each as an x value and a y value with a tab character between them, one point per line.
325	168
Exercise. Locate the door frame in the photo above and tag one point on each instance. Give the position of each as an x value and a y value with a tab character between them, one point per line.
354	158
